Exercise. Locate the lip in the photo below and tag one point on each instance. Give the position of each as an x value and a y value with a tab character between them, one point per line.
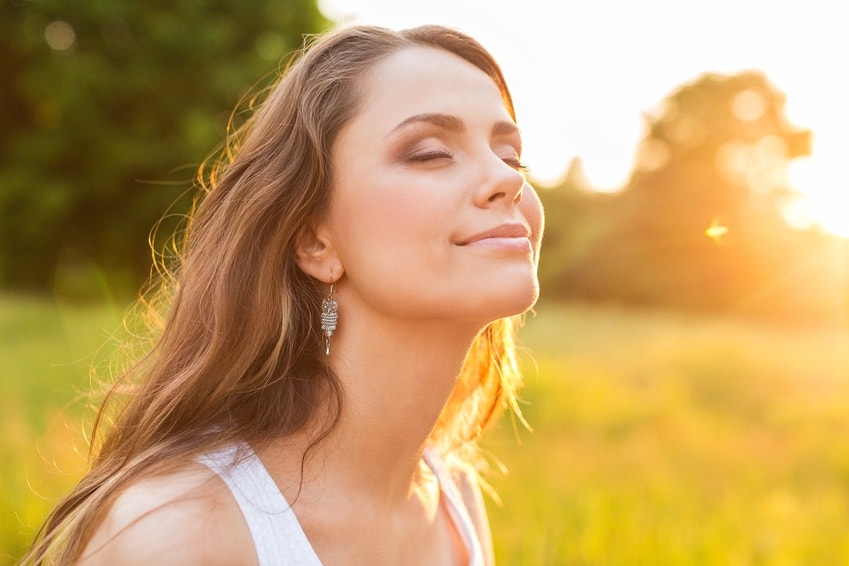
510	235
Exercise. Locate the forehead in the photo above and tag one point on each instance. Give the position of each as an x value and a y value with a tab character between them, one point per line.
428	80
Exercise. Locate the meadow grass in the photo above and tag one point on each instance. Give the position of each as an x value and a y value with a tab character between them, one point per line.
672	439
47	351
658	438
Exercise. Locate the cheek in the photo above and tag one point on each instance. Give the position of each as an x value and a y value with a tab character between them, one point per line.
382	224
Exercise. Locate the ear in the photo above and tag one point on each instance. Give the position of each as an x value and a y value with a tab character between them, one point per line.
316	255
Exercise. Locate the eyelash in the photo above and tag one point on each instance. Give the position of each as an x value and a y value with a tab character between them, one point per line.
422	157
515	163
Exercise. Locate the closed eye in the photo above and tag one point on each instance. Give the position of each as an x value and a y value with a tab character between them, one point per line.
516	164
429	156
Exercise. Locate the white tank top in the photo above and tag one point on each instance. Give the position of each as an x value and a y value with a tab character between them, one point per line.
277	535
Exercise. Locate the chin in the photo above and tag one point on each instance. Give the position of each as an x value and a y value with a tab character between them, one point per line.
518	300
527	301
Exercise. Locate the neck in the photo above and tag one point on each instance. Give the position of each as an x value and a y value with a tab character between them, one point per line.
396	379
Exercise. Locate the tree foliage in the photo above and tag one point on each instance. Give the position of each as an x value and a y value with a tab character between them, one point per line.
107	109
699	224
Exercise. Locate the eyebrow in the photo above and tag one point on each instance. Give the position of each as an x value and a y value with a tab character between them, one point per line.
444	121
454	124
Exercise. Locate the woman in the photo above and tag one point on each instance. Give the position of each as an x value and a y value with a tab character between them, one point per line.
339	332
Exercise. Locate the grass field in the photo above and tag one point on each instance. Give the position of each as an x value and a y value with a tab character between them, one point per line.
46	352
659	438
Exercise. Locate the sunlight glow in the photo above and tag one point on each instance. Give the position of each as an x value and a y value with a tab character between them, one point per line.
716	231
761	165
825	195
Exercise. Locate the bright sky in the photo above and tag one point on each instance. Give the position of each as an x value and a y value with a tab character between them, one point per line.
582	72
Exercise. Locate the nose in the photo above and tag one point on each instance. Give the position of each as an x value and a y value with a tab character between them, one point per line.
501	184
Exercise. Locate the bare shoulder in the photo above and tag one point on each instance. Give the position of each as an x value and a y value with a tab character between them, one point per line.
185	517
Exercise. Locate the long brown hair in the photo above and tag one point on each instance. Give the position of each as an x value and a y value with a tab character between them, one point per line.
238	355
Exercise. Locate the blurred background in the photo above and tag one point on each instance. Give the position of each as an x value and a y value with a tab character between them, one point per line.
688	366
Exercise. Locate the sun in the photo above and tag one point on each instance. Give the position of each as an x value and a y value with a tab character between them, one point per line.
824	201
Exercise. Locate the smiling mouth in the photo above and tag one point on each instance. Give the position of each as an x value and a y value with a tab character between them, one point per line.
511	244
513	234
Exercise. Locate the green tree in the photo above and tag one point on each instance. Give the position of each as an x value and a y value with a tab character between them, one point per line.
575	219
108	107
699	224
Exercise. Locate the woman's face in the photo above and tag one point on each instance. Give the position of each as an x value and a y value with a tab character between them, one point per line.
430	213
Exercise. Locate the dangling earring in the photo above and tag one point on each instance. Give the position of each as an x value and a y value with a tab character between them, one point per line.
329	316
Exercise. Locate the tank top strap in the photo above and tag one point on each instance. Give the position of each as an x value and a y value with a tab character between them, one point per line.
456	506
278	537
